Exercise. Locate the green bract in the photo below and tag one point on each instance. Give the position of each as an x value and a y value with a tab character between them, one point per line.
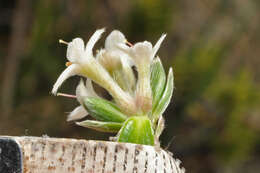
103	110
137	129
139	97
101	126
158	80
165	98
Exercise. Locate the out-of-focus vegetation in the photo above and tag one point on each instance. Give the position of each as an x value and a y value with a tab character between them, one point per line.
213	123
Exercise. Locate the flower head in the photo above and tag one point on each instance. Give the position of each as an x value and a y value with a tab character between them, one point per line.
138	100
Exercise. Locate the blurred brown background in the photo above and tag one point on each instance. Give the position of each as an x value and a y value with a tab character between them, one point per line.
213	122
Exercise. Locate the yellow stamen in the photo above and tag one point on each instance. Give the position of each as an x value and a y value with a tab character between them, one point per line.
68	63
62	41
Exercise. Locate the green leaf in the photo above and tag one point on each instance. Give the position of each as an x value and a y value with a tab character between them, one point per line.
165	99
158	80
138	130
101	126
103	110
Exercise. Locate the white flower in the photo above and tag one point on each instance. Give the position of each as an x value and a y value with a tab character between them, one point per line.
82	91
79	58
111	45
117	62
83	63
142	54
142	51
112	52
114	38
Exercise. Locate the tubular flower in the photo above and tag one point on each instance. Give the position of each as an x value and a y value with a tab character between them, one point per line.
83	63
117	62
142	55
80	58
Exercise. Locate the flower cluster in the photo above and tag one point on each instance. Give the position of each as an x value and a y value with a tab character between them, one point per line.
145	94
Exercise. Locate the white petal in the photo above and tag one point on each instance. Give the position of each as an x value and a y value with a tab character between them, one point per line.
142	51
78	113
127	61
124	47
81	91
71	70
114	38
126	52
75	50
128	72
90	88
109	59
144	45
92	41
137	53
115	42
85	91
157	45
